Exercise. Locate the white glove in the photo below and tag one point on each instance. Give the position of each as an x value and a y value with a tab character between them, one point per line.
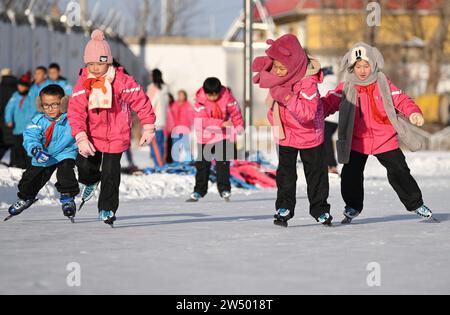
417	119
148	135
85	147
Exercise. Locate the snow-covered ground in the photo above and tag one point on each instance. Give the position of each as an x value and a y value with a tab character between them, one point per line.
162	245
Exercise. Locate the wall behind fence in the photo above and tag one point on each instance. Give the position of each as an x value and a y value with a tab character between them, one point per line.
23	48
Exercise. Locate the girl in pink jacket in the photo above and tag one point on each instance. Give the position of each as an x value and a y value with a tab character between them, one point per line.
218	118
374	116
180	119
100	116
297	117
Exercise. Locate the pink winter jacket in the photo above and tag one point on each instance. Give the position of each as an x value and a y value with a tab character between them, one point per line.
302	116
109	129
181	117
210	116
370	136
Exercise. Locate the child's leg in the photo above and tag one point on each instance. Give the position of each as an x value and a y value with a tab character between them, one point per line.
352	183
203	166
89	169
157	148
67	182
109	191
400	178
287	179
316	174
224	154
21	159
330	129
33	179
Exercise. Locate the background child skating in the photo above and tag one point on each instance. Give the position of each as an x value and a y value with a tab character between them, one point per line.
48	140
374	115
100	116
297	118
180	119
18	113
218	118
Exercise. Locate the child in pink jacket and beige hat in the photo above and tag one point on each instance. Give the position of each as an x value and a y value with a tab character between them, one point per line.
374	117
298	120
100	116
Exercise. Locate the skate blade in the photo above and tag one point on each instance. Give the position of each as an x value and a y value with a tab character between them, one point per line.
191	200
71	219
346	221
8	218
81	205
281	223
431	220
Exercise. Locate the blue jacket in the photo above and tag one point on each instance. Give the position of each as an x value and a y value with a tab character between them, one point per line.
68	88
35	90
62	145
19	116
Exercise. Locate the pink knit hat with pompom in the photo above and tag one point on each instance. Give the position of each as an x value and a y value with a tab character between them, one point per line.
97	49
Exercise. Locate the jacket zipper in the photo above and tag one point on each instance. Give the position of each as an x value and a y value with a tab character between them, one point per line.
359	105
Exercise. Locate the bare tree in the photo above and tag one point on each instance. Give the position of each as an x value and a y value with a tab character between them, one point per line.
412	23
435	49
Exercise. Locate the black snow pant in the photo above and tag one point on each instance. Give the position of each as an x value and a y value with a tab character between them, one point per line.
330	130
19	157
316	173
35	178
399	176
223	152
4	147
104	168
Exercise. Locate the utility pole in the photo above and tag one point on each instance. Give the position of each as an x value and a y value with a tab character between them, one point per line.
164	17
84	11
248	82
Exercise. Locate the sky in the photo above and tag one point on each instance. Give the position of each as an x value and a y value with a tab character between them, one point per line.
213	17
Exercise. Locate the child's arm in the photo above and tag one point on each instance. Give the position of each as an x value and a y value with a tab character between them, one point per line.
9	112
403	103
332	101
139	102
77	112
305	104
32	138
235	114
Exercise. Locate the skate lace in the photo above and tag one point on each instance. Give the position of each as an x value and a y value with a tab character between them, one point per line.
324	217
351	213
19	204
424	212
105	215
88	191
283	212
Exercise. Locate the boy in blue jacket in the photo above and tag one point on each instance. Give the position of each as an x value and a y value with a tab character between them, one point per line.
18	114
48	140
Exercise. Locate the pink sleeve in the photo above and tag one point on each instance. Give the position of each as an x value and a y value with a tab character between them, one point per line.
77	111
235	112
403	103
139	102
305	103
332	101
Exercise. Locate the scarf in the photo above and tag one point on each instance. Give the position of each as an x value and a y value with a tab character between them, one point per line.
49	131
347	110
377	116
266	79
101	93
